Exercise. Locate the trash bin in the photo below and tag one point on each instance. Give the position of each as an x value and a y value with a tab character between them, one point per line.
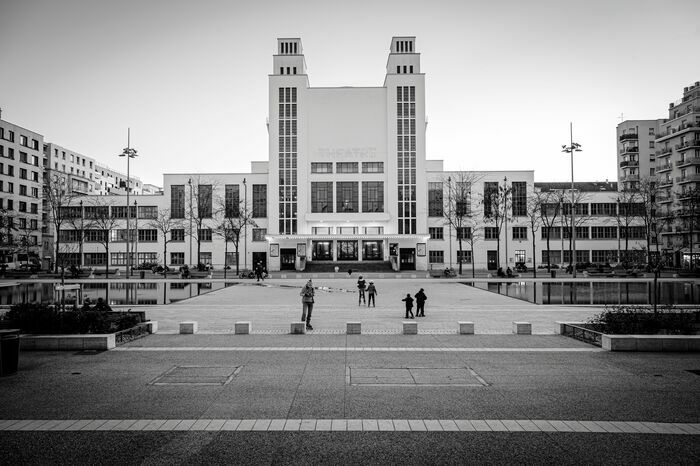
142	274
9	351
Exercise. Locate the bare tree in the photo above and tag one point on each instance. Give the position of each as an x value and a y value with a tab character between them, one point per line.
200	209
581	217
549	210
534	219
8	247
232	217
497	202
57	195
73	217
457	210
165	224
650	213
628	211
27	238
102	221
689	214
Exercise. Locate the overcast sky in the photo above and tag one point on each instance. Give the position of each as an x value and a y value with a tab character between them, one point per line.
504	78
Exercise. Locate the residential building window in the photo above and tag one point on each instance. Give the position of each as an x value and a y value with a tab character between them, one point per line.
23	173
177	234
519	255
490	232
177	201
520	233
372	196
204	201
436	232
372	167
260	201
232	200
436	257
321	167
464	257
464	232
148	236
435	204
321	197
148	212
519	198
204	234
22	206
259	234
177	258
346	167
346	196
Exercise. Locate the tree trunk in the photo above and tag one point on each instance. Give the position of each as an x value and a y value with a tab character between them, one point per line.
461	254
235	245
473	261
225	256
58	244
534	252
549	259
165	255
107	272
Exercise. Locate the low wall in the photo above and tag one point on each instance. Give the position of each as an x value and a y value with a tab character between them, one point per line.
67	342
653	343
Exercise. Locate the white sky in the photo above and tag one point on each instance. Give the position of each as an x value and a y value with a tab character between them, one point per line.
504	78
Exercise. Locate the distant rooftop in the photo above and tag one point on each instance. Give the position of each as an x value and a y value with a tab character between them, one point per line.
585	186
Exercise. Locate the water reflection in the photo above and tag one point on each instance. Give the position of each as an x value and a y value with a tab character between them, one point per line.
596	292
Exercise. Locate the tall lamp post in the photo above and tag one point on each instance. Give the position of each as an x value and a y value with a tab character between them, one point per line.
245	225
136	236
570	149
130	153
82	235
505	214
189	182
449	215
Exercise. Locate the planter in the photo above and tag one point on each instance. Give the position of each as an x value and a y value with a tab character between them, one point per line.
651	343
79	342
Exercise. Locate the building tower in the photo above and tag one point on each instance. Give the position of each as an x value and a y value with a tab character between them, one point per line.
635	151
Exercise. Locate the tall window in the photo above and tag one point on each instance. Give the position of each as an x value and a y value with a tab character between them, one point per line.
519	232
287	153
490	190
177	201
464	232
435	199
372	196
519	197
436	257
260	200
204	200
231	200
322	197
406	158
463	200
346	196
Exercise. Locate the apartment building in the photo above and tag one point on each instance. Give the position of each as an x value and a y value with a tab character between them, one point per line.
109	181
636	151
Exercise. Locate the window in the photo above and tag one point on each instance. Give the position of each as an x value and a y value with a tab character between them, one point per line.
23	157
346	196
177	234
436	257
636	232
119	235
204	201
436	232
260	200
519	255
519	198
22	206
519	232
232	200
581	232
231	258
322	197
321	167
148	236
463	201
259	234
321	230
372	196
490	232
177	258
95	258
347	230
22	190
205	258
490	197
464	232
95	236
177	201
435	199
372	167
119	211
603	233
374	230
346	167
204	234
607	209
464	257
149	212
119	258
10	170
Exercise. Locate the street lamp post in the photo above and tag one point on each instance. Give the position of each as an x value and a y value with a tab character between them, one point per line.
573	147
245	225
505	214
136	236
129	153
189	182
449	215
619	230
82	235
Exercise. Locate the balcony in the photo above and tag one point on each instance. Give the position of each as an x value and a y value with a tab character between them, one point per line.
664	167
665	183
677	129
629	137
632	150
663	152
688	162
629	163
692	144
628	178
693	177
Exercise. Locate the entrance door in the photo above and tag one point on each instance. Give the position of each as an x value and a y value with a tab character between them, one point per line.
407	259
287	259
491	260
260	257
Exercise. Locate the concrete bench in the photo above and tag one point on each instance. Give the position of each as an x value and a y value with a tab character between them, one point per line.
353	328
410	328
241	328
522	328
188	327
152	326
466	328
298	328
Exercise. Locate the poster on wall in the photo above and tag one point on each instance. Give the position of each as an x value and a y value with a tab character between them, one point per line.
420	249
301	249
274	250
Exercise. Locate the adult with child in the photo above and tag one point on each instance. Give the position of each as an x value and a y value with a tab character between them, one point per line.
409	305
371	292
307	303
361	285
420	303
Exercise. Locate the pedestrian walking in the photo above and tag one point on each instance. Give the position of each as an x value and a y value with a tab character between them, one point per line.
258	271
420	303
361	285
307	303
371	292
409	305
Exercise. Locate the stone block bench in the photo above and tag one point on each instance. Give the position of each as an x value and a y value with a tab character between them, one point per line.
99	342
410	328
241	328
188	327
298	328
522	328
353	328
466	328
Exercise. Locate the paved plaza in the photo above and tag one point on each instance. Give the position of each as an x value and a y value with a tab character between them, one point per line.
330	398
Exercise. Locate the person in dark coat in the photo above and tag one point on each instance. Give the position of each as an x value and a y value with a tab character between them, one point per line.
420	303
371	292
307	303
409	305
361	285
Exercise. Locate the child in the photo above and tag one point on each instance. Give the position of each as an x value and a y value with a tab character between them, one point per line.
409	305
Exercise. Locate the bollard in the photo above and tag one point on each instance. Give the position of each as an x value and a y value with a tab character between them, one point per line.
152	326
410	328
241	328
298	328
466	328
353	328
522	328
188	327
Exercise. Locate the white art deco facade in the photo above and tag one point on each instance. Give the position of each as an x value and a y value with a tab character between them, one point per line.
346	184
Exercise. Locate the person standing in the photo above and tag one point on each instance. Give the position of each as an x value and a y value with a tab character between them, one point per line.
409	305
371	292
361	285
420	303
307	303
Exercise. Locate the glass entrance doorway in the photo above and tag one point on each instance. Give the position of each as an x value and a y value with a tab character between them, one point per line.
287	259
372	251
491	260
347	250
407	259
322	250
